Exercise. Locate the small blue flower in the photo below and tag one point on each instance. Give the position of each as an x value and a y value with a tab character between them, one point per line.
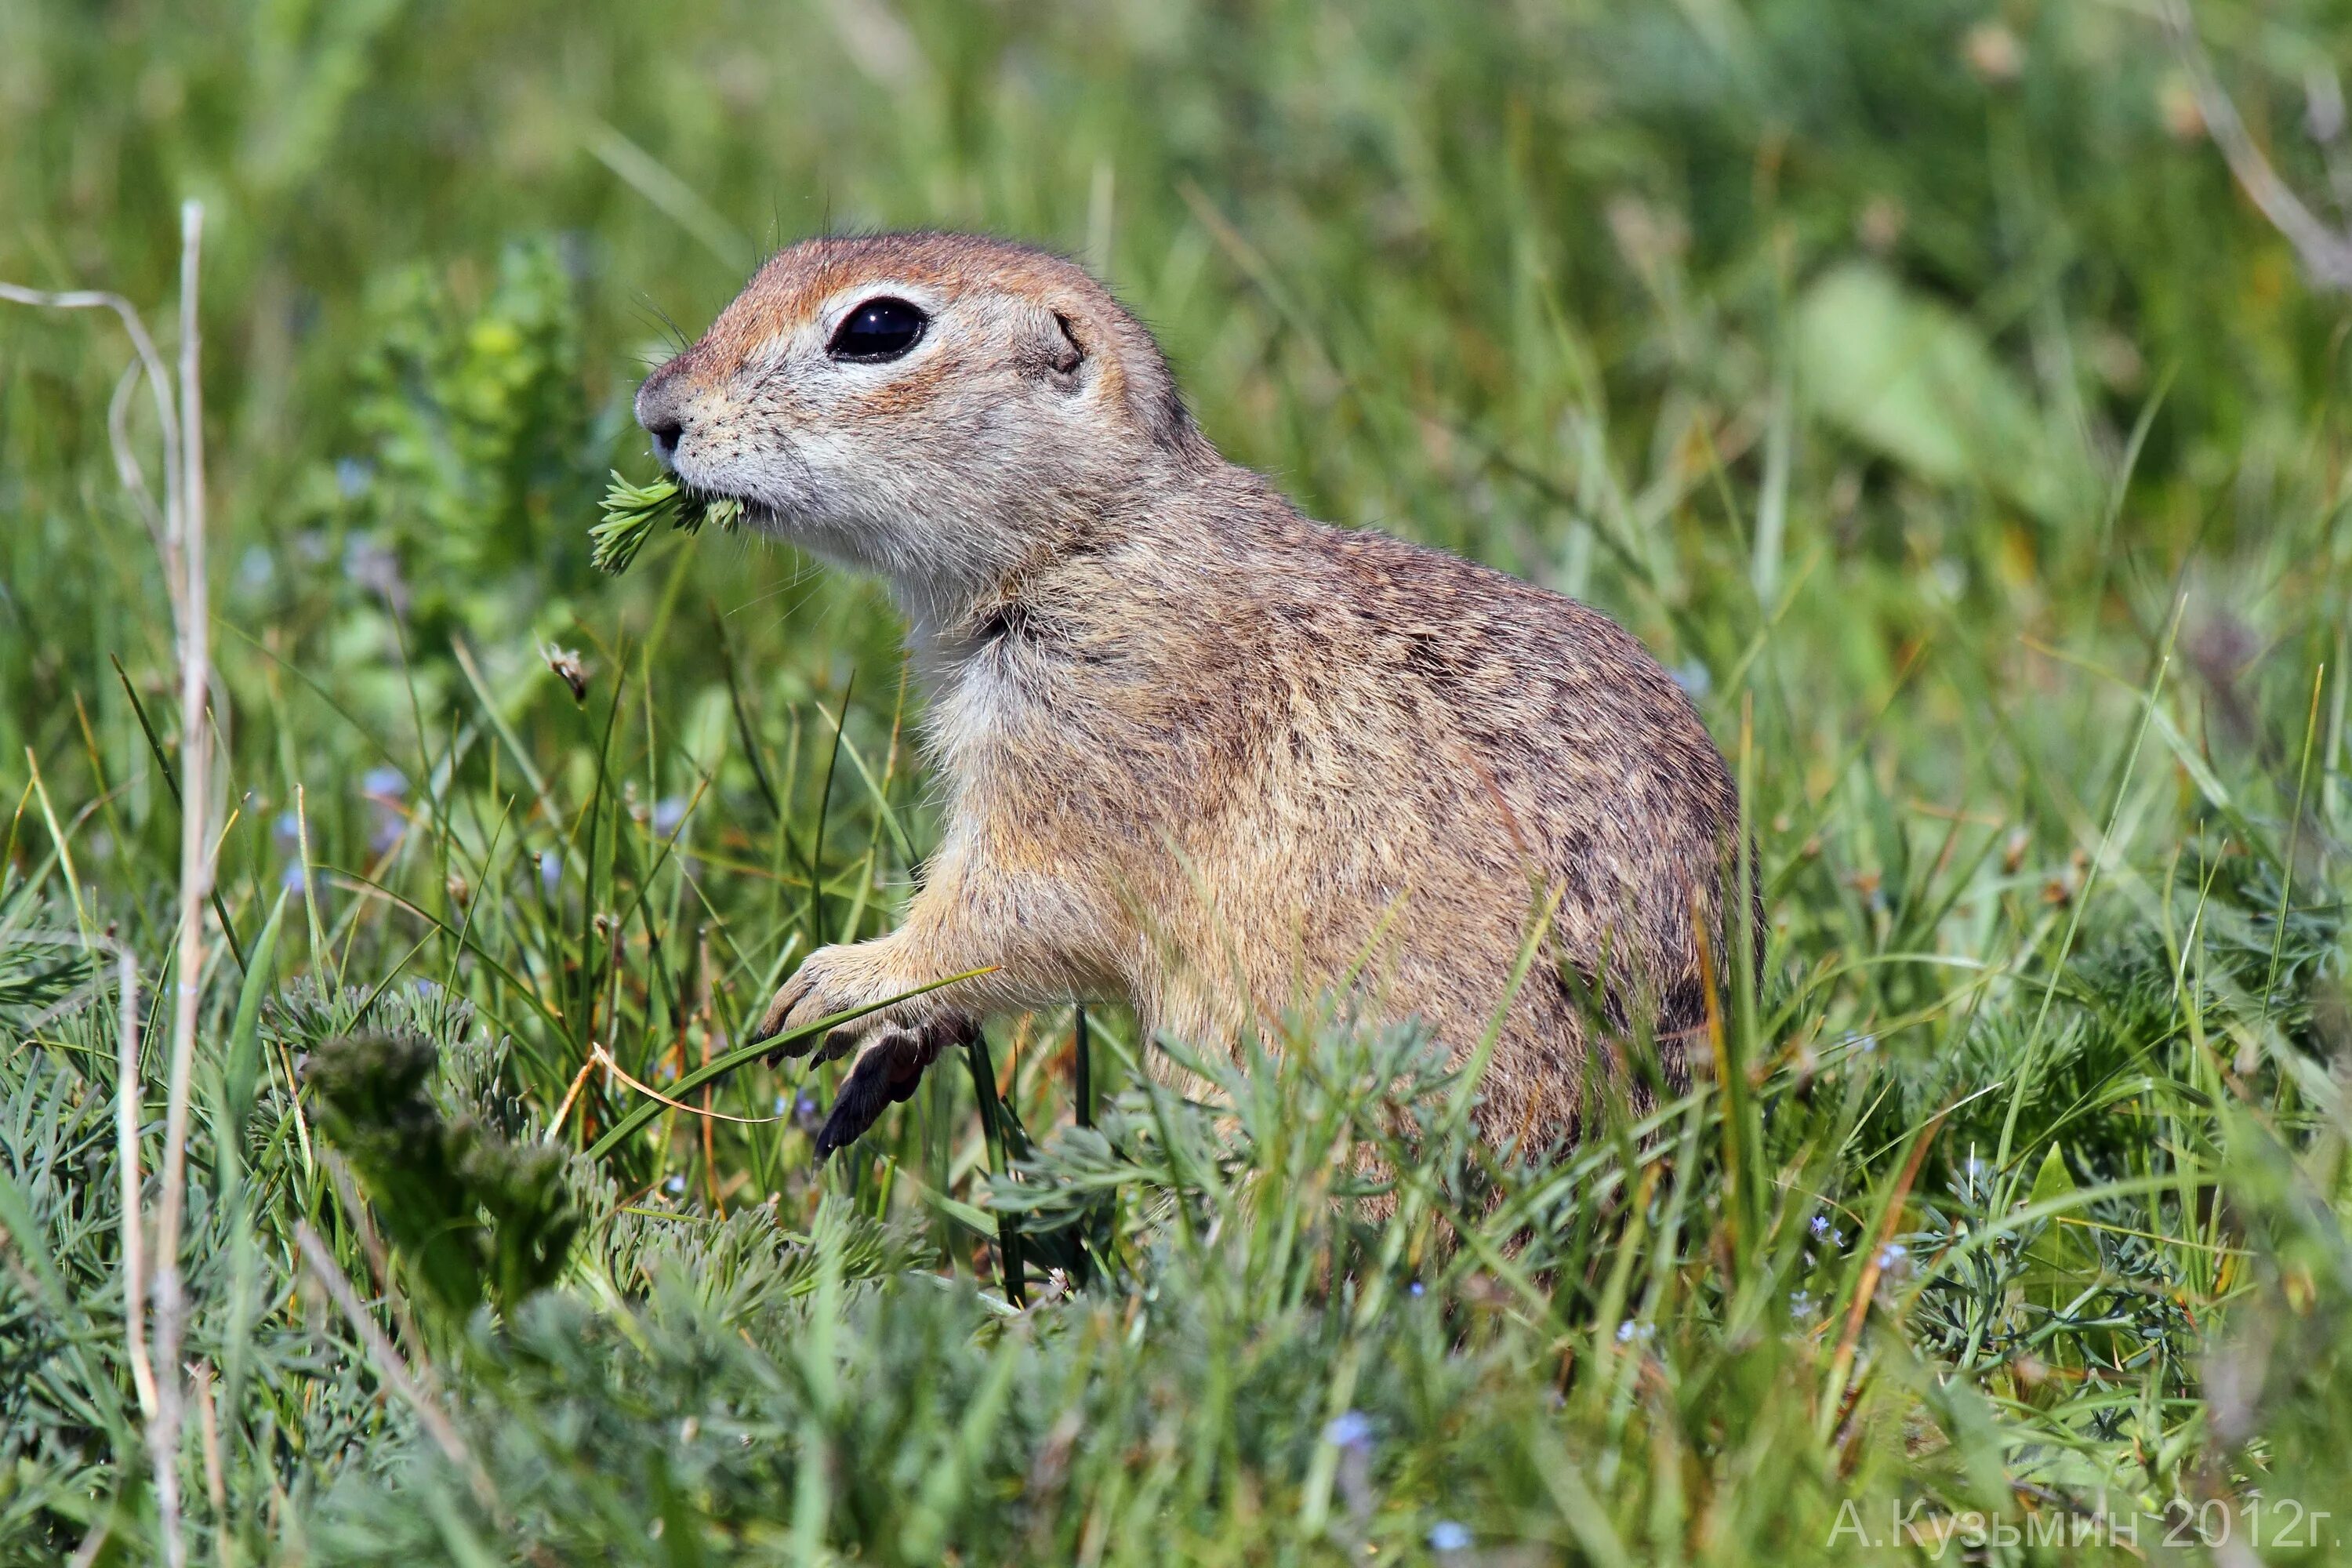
669	812
291	879
1414	1289
675	1185
352	477
1351	1429
550	869
1821	1225
1629	1330
383	783
781	1103
1891	1256
287	830
1694	678
1448	1535
1801	1305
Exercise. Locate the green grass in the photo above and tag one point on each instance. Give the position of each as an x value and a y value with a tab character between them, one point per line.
1974	452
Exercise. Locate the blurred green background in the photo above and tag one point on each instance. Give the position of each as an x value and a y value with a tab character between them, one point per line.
1510	282
1909	374
1475	280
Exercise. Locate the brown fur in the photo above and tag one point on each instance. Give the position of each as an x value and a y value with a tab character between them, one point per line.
1202	753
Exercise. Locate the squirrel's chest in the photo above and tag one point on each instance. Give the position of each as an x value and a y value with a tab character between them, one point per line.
1002	713
1133	721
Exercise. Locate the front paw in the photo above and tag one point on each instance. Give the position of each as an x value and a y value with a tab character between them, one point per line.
829	982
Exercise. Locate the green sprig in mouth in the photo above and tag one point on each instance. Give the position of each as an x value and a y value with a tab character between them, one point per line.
632	513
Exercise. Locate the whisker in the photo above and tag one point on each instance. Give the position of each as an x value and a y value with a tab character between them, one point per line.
649	311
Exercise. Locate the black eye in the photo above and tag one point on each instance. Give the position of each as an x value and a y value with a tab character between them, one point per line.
879	330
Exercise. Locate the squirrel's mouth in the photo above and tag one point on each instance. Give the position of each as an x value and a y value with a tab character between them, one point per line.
729	504
748	489
704	495
752	512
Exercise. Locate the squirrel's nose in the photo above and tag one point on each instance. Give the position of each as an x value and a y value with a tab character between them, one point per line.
667	434
661	409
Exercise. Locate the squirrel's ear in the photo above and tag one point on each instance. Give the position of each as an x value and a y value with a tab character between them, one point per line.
1073	348
1054	347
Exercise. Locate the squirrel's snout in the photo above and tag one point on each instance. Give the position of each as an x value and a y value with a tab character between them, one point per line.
661	409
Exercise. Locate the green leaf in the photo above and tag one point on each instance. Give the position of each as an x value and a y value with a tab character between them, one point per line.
242	1076
1909	377
2063	1262
473	1212
18	1223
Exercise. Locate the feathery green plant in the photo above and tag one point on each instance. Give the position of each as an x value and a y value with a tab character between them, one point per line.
632	513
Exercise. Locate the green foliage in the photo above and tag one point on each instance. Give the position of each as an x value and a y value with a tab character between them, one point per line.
470	422
476	1214
1153	1417
1912	379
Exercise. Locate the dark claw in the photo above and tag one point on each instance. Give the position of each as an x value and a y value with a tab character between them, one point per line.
952	1032
908	1068
887	1075
772	1022
865	1093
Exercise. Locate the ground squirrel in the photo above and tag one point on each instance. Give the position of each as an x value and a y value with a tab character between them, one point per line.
1201	754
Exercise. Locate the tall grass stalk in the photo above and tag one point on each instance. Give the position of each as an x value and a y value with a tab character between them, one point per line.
127	1103
192	604
160	1380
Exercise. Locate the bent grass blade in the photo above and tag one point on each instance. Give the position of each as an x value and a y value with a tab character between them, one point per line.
646	1110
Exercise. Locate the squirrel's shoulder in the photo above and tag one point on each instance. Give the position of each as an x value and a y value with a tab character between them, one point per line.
1392	588
1220	582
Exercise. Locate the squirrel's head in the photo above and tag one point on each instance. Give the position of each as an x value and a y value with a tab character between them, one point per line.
942	409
